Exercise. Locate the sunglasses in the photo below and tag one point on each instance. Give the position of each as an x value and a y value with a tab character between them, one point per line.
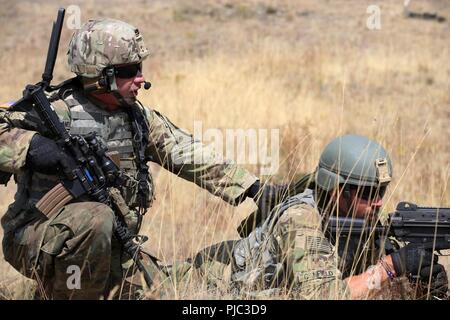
128	71
369	193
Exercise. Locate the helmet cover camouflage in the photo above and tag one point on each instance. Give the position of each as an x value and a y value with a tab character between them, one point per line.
103	43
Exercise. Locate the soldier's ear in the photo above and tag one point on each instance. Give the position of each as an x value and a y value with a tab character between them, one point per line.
346	192
341	190
342	197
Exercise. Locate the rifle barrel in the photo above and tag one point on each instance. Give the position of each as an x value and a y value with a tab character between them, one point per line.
47	76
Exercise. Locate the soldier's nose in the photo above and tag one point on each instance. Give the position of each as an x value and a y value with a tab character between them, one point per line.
139	78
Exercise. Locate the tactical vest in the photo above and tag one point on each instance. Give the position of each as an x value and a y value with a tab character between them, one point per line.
115	128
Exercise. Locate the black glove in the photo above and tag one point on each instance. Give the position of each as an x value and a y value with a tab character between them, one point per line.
413	260
267	196
438	283
45	156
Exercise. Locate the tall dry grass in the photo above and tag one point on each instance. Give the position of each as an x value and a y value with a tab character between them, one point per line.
313	71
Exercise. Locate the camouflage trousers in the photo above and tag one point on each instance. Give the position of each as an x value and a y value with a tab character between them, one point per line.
72	256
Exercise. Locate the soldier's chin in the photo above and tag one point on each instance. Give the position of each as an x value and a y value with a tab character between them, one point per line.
130	100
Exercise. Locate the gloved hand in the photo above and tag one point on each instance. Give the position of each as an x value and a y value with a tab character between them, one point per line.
268	196
438	283
45	156
413	260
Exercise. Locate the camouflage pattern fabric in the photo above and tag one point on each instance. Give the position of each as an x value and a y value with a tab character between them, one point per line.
294	256
180	153
102	43
78	237
13	150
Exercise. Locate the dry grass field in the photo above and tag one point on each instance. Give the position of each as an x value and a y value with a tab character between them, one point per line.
310	68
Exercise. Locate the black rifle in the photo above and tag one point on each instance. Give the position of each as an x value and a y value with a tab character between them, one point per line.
92	172
427	226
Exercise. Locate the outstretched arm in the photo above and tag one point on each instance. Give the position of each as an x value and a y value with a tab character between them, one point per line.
178	151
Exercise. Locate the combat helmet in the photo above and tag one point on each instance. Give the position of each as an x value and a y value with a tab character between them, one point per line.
103	43
353	160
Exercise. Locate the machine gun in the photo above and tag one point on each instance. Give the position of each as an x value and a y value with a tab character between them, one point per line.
91	172
426	226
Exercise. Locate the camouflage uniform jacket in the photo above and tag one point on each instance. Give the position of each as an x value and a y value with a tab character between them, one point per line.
291	252
169	146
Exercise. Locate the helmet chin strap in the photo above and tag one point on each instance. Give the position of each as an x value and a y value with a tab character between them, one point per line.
111	86
107	83
347	194
122	101
346	197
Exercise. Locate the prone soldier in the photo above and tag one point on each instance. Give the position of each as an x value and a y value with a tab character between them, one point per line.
295	252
